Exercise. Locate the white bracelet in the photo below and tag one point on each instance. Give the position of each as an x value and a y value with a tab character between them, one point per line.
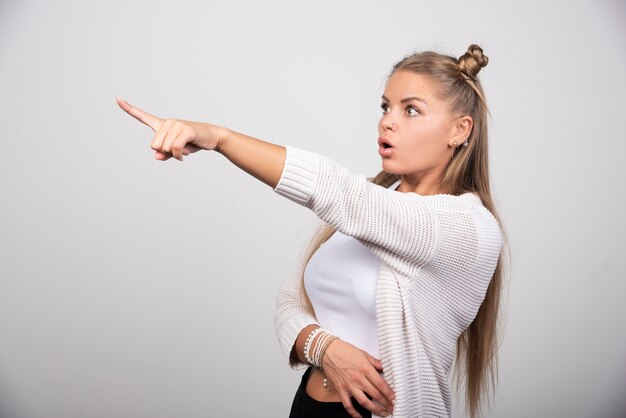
318	347
307	344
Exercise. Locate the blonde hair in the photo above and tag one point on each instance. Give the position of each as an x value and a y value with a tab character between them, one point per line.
467	171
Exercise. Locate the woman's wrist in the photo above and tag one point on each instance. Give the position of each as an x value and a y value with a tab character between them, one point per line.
225	137
261	159
310	348
301	340
326	351
316	344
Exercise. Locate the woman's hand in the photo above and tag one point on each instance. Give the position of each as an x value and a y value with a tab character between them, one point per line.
177	138
354	372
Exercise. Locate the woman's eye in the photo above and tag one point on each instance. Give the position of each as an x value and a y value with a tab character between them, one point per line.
411	111
384	107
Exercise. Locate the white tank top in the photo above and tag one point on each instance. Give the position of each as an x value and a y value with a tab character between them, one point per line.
340	280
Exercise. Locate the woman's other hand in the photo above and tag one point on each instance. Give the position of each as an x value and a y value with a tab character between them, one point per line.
176	138
354	372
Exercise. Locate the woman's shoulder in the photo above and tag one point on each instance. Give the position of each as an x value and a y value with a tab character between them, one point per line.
458	203
464	226
449	205
464	210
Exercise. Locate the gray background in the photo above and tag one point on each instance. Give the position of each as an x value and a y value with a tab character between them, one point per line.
131	287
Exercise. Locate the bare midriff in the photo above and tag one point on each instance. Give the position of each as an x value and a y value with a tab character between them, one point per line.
316	390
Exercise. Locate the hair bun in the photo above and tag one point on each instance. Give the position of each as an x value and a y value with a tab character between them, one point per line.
472	61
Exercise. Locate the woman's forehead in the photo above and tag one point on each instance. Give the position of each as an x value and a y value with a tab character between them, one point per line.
403	84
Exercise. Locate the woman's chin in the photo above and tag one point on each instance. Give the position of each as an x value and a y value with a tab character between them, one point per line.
388	166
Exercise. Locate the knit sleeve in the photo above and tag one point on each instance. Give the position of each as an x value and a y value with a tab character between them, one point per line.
293	313
397	226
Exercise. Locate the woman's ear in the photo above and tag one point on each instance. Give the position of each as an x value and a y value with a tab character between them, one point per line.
461	130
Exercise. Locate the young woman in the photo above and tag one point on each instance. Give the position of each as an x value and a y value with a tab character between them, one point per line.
404	272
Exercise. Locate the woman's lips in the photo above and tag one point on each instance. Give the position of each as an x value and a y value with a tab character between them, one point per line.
385	152
382	150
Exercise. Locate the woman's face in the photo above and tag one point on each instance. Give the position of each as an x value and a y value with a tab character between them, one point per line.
418	126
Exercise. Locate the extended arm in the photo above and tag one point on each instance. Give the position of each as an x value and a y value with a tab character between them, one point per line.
398	227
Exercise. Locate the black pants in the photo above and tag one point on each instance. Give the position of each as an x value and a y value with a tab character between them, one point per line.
304	406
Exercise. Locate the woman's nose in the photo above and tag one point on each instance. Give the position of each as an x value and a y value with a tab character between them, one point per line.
388	124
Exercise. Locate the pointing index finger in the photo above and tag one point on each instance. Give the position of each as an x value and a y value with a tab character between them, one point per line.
142	116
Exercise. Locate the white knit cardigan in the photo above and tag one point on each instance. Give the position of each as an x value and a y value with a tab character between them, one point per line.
438	254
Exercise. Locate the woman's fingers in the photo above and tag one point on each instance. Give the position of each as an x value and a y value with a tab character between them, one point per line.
178	145
173	138
351	369
161	156
169	138
380	383
365	393
382	391
375	362
347	404
187	149
159	136
359	395
142	116
371	386
177	138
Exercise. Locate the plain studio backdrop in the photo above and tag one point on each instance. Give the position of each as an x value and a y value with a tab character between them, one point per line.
131	287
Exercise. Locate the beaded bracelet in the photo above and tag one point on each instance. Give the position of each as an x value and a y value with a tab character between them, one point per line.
308	342
316	356
324	335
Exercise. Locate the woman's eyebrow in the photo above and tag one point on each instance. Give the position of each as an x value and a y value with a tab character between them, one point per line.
408	99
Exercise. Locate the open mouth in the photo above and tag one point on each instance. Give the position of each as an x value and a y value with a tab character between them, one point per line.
385	149
383	143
